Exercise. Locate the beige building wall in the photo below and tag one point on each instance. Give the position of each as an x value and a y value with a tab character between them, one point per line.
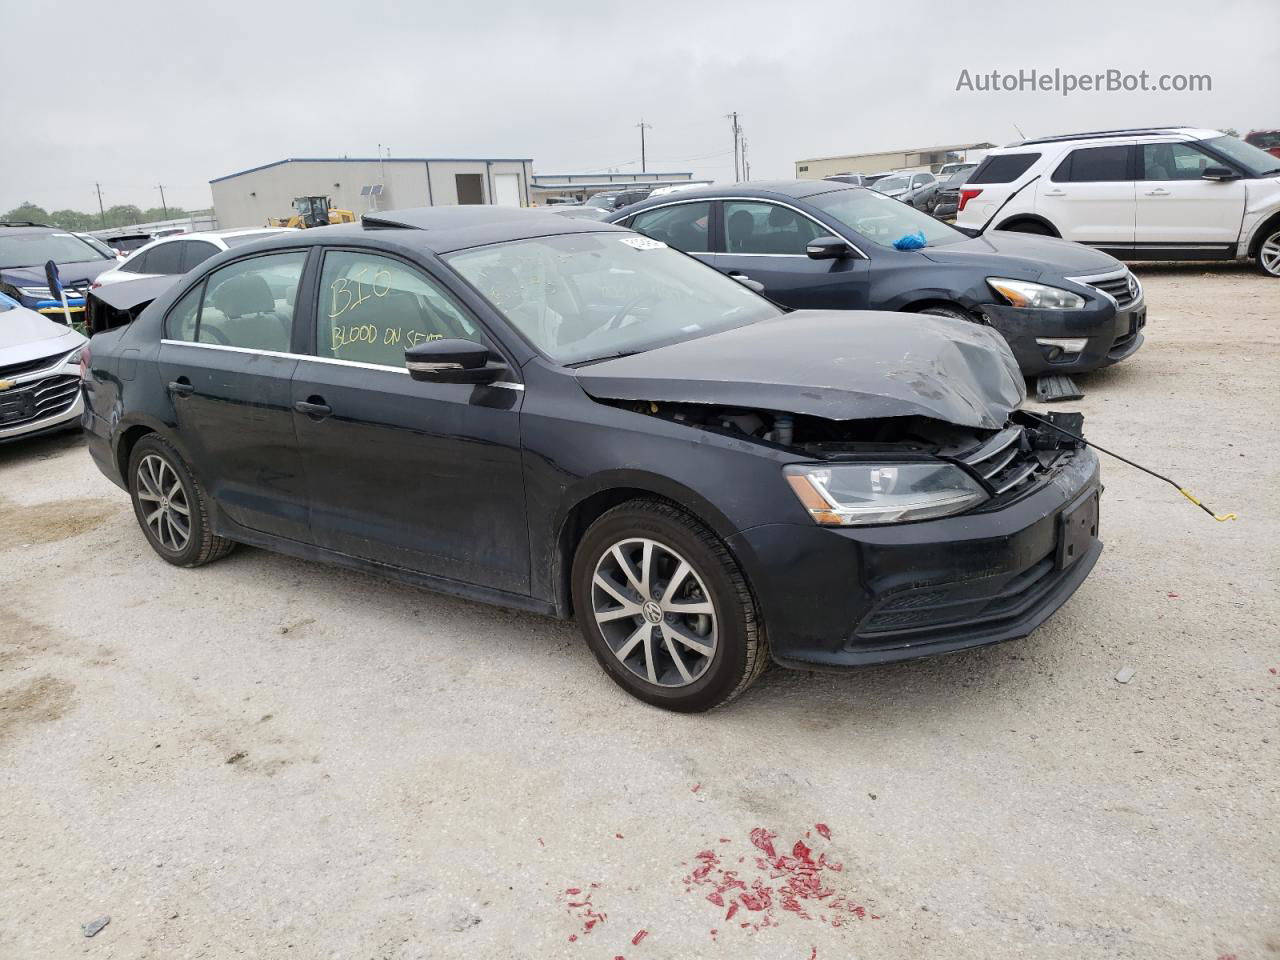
248	199
870	163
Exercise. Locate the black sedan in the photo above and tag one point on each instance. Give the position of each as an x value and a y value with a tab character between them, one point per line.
1063	307
570	418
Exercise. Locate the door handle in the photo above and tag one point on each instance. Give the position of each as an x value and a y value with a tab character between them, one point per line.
736	275
1055	193
1158	192
180	388
317	410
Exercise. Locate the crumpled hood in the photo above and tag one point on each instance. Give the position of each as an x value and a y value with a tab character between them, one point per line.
26	335
1033	255
68	273
837	364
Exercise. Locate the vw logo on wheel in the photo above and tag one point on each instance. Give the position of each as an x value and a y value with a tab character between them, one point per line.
652	612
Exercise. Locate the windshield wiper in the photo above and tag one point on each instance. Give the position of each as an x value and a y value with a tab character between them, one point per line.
607	356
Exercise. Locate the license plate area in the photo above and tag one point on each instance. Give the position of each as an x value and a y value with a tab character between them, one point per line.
1077	529
17	406
1138	320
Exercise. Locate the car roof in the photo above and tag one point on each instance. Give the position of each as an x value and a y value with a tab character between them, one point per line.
1187	133
446	229
764	189
26	228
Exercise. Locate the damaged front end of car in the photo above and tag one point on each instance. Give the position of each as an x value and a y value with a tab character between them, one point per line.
940	516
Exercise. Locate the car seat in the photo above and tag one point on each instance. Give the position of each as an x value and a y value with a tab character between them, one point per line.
251	317
742	226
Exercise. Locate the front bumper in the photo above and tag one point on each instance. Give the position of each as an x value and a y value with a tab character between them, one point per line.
1112	334
847	597
47	404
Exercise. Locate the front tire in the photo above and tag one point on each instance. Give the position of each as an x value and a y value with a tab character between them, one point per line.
170	506
665	608
1268	257
955	313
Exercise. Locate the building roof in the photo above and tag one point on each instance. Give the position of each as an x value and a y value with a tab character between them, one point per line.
276	163
948	148
621	173
619	185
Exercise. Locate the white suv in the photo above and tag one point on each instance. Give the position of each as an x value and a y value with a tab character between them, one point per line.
1165	193
175	254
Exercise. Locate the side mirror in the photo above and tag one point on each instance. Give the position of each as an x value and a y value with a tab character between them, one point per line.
1218	173
452	361
827	248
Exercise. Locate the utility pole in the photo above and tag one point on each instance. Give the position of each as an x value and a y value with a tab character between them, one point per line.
164	206
737	132
643	127
101	212
746	164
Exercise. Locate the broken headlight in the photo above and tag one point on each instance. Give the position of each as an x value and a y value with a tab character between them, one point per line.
1024	293
850	494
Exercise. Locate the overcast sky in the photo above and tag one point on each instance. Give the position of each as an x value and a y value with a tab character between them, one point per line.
133	95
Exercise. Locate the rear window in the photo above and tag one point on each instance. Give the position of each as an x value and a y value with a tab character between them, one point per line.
1005	168
1094	165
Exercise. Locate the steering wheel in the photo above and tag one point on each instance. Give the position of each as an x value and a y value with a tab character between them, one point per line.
216	335
613	322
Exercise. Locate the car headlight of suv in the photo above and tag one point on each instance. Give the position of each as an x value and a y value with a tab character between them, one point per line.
852	494
1023	293
38	293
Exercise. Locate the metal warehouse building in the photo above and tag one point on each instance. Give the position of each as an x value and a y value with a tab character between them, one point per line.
248	198
916	157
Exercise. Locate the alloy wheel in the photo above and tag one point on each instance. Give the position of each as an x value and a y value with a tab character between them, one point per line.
1270	254
654	612
164	503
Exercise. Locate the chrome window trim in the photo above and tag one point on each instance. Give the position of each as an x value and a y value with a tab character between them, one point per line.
508	385
825	226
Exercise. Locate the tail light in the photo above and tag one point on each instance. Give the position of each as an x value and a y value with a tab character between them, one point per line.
966	194
85	360
95	285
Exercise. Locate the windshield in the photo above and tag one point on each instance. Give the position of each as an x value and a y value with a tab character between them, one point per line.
959	177
883	220
602	200
890	184
1255	162
587	296
36	249
101	247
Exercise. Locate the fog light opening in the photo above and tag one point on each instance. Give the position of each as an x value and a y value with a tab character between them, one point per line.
1062	350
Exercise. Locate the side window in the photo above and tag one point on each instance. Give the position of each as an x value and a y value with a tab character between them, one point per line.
249	303
1173	161
684	226
372	308
1004	168
136	264
195	252
766	228
181	324
1093	165
921	180
165	258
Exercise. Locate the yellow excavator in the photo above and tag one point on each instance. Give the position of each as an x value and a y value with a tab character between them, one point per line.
312	212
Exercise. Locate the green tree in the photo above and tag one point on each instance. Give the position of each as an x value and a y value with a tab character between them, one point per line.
27	211
123	215
159	213
73	220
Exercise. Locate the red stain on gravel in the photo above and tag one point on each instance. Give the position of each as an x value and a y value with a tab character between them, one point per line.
580	905
813	954
695	788
803	884
635	941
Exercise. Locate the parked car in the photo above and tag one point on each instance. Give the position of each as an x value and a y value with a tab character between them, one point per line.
100	245
567	417
127	243
1063	307
26	248
916	189
857	179
947	198
178	253
1163	193
1268	140
39	373
617	199
951	169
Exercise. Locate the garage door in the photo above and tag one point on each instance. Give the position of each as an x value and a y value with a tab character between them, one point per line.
506	189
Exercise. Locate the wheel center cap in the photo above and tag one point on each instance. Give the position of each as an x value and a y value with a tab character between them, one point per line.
652	612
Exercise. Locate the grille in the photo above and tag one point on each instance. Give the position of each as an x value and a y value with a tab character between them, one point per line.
52	395
29	366
1004	461
1117	287
932	607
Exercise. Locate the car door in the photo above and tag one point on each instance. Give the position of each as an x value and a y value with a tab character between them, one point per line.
226	360
422	476
1177	206
765	241
1089	197
685	225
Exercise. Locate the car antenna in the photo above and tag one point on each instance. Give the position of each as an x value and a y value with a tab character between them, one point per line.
1159	476
1019	129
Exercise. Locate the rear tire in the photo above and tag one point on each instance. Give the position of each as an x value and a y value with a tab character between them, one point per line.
1268	256
171	506
665	608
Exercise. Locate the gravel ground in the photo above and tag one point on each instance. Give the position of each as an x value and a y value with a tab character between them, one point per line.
272	758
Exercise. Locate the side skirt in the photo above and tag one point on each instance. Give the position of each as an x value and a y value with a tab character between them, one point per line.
225	527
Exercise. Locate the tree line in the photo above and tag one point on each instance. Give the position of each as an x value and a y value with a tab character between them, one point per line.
121	215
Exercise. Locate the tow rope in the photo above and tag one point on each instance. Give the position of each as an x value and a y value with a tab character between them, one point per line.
1137	466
